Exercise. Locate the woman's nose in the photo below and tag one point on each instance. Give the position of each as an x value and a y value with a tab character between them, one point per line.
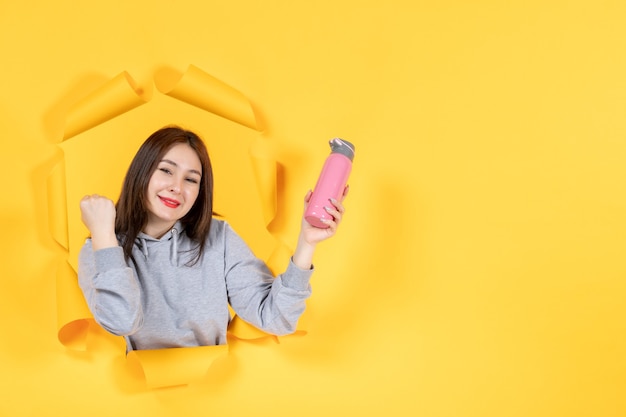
175	186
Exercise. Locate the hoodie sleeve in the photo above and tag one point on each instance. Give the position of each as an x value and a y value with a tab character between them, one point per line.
274	305
111	289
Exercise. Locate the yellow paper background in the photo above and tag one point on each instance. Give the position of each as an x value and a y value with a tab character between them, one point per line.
479	270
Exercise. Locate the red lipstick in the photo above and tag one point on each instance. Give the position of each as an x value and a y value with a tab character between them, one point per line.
169	202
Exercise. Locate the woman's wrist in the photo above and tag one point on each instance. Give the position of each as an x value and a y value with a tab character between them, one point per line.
303	255
102	240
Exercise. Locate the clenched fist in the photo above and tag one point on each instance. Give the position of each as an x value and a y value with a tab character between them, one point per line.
98	214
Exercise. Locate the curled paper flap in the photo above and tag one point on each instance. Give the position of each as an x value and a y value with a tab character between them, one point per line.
242	330
175	366
245	331
279	257
73	315
202	90
114	98
57	205
264	167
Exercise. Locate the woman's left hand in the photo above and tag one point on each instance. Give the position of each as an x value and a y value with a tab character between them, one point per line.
313	235
310	235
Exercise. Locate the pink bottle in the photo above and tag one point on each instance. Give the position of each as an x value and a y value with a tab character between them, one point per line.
331	182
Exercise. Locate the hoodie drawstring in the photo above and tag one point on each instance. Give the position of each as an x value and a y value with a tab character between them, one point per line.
173	242
174	253
144	247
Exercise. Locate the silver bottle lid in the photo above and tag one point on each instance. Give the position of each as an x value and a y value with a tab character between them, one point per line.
338	145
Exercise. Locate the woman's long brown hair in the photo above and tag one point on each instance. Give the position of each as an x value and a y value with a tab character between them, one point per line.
132	212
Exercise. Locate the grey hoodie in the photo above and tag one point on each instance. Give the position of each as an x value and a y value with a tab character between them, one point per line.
158	301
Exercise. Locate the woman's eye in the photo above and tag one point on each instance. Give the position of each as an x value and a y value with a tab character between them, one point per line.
167	171
192	180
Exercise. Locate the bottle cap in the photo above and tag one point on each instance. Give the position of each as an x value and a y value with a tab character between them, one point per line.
338	145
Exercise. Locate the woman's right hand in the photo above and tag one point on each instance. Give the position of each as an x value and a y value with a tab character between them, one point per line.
98	214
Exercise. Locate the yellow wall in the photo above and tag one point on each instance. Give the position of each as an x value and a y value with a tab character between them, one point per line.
480	267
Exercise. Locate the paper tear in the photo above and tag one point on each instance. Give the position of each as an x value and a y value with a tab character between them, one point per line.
241	330
73	315
114	98
57	205
265	174
202	90
174	366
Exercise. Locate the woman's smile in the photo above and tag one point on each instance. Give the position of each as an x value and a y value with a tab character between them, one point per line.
169	202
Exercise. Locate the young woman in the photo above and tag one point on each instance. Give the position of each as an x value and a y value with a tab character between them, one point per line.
159	270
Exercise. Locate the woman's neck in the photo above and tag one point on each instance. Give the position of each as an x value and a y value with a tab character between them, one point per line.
157	230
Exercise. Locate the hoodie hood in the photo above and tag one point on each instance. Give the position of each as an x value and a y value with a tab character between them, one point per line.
144	242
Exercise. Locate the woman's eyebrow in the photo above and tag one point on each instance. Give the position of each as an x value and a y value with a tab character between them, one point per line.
169	161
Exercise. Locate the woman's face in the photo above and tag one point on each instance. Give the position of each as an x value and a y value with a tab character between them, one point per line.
173	189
